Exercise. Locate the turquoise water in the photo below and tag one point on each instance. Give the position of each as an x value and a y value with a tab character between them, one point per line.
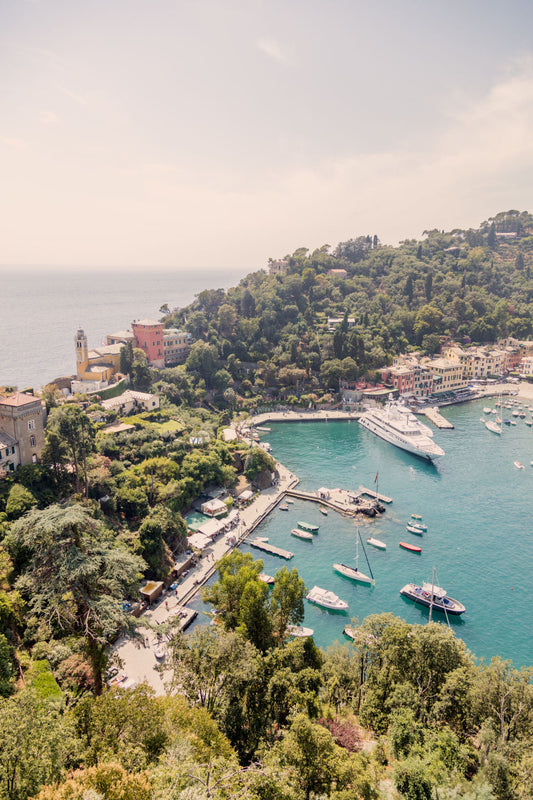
476	504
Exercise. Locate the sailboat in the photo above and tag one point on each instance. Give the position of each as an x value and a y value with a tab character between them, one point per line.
353	572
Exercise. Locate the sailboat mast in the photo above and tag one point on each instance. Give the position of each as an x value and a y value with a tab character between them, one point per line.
432	590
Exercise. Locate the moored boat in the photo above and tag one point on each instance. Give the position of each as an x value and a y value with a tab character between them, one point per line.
412	547
302	534
349	632
323	510
518	465
299	631
283	507
416	519
353	573
308	526
432	597
326	599
412	528
377	543
395	423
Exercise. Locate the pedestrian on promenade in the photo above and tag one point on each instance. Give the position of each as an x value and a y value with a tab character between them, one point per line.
166	604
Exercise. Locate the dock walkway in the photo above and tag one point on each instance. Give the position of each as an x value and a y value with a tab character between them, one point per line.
259	544
434	415
374	495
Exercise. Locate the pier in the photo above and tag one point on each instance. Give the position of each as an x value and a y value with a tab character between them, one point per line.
270	548
434	416
374	495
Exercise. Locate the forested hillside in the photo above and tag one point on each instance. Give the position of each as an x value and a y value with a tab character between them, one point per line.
474	286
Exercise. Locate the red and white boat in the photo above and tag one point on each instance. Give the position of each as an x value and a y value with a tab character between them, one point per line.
412	547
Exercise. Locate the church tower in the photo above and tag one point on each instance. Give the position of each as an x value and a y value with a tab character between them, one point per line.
82	354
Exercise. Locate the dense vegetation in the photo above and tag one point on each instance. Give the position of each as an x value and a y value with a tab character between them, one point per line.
403	711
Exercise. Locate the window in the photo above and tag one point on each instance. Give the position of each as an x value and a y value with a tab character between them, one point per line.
12	451
31	424
32	441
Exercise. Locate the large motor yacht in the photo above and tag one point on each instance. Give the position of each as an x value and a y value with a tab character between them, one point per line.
396	424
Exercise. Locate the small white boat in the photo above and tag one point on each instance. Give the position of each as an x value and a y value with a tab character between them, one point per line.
288	500
326	599
323	510
299	631
283	507
416	520
412	528
487	410
349	632
513	422
518	465
352	572
377	543
302	534
493	426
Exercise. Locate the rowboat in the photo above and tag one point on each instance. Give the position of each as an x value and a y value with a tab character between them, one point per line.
412	547
307	526
377	543
299	631
414	529
302	534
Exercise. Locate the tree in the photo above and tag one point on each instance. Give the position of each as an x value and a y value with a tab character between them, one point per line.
140	371
75	438
76	578
287	601
309	748
126	358
36	744
19	501
412	780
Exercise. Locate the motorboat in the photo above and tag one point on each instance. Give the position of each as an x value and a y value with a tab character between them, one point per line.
326	599
377	543
416	519
283	507
323	510
302	534
349	632
433	597
412	547
308	526
299	631
412	528
396	424
487	410
518	465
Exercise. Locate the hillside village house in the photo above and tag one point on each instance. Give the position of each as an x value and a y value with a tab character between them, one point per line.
22	424
130	400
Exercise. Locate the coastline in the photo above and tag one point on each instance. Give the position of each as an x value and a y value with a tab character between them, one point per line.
138	658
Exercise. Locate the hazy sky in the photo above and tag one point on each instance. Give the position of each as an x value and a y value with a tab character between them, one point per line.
218	133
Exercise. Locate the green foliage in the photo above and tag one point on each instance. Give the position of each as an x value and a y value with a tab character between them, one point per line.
19	501
258	461
42	680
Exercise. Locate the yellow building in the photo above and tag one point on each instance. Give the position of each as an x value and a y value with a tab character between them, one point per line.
99	364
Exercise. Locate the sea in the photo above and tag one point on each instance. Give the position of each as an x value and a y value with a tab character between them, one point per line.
477	508
476	503
41	310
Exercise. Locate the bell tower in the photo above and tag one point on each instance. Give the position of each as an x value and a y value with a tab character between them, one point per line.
82	355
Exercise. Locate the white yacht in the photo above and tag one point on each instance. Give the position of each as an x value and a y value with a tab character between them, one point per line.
396	424
326	599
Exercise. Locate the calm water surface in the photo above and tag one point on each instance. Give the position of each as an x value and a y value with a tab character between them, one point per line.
476	504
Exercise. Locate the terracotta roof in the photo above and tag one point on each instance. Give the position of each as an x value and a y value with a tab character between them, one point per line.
19	399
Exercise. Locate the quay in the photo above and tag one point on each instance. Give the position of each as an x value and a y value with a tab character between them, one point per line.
434	415
270	548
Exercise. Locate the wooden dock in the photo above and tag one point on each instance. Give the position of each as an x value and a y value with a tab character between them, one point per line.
270	548
434	416
375	495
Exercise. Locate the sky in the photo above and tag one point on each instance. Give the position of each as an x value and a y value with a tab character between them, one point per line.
187	134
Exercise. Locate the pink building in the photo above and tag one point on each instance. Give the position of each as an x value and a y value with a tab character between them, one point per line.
149	337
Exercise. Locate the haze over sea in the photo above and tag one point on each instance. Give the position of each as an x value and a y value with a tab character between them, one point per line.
43	308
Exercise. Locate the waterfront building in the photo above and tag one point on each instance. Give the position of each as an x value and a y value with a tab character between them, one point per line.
22	425
176	346
149	337
447	375
96	366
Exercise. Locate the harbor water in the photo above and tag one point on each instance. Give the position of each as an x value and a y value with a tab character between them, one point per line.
475	502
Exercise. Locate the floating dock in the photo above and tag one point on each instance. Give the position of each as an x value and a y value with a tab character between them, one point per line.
434	415
270	548
375	495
